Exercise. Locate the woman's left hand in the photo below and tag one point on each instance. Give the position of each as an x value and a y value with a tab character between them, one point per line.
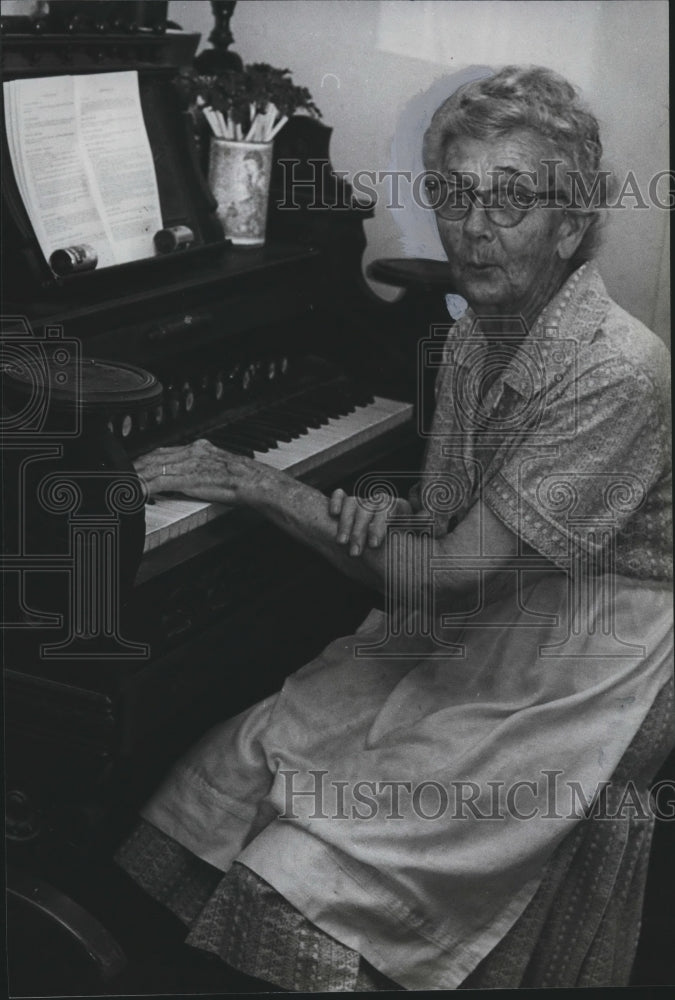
203	471
359	524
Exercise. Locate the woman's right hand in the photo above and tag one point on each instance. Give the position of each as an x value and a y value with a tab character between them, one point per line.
206	472
358	526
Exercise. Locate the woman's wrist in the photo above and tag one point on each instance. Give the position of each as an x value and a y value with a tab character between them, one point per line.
267	490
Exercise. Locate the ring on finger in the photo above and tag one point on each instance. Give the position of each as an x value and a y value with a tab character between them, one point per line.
164	470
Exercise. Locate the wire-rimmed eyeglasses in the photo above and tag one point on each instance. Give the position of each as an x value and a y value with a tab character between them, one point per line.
505	206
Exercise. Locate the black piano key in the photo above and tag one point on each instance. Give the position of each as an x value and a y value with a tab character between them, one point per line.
236	449
341	390
263	427
304	415
363	396
229	438
282	431
261	440
354	395
187	437
256	435
334	408
327	403
231	444
290	422
293	427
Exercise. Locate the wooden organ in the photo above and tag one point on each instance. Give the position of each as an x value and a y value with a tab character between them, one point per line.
279	352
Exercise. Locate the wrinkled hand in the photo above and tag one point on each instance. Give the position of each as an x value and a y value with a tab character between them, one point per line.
357	525
203	471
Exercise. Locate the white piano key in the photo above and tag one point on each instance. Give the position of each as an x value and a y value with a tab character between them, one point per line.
169	518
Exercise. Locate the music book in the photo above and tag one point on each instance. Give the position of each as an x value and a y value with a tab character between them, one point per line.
83	164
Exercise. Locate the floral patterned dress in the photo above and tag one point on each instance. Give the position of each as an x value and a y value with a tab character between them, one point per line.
406	793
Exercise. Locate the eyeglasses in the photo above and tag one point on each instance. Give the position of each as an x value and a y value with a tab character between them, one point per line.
504	206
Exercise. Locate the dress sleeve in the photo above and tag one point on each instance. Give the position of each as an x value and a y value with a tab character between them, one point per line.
587	467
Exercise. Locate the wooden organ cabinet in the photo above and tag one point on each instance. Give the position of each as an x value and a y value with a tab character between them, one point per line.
281	352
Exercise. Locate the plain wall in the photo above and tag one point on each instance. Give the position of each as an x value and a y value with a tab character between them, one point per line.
378	69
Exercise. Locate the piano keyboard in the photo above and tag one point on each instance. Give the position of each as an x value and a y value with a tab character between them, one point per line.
295	437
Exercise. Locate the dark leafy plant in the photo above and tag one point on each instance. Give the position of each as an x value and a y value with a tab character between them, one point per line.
240	95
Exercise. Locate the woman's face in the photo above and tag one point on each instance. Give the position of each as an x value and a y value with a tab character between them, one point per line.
504	271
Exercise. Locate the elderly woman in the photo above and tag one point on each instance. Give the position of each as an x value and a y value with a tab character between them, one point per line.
393	814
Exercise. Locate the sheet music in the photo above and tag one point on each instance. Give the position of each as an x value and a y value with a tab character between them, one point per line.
119	162
83	163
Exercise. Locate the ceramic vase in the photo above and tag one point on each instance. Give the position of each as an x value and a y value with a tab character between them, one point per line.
239	177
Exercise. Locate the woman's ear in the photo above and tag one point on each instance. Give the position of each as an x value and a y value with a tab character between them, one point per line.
572	230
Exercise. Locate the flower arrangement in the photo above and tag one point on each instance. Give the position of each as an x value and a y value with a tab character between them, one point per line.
250	104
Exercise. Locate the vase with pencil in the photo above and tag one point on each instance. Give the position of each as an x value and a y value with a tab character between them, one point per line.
245	109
